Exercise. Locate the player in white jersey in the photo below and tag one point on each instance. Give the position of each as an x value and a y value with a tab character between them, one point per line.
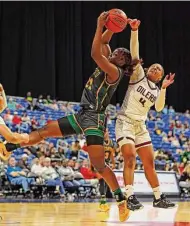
5	131
131	133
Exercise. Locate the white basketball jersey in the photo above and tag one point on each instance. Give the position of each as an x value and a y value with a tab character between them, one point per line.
140	97
2	121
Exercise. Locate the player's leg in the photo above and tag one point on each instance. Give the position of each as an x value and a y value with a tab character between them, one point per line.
126	141
62	127
103	206
146	154
97	158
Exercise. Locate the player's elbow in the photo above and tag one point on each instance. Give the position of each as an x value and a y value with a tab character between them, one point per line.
94	54
159	108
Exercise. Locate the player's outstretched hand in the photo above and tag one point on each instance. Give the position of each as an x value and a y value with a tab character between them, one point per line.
169	79
102	19
134	23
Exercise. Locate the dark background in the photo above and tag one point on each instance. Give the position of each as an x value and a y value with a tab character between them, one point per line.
45	46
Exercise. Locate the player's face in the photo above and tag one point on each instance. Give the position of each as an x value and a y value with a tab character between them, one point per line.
117	58
155	73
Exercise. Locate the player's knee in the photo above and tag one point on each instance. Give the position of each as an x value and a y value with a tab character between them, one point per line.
130	161
149	166
100	168
43	132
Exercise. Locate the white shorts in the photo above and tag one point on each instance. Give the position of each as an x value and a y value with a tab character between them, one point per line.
132	131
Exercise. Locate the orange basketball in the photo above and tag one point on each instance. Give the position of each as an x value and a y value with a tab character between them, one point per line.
117	20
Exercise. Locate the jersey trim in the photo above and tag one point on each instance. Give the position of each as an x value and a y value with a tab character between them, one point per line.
113	83
150	85
134	83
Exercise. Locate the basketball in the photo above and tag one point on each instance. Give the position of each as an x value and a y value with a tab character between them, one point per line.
117	20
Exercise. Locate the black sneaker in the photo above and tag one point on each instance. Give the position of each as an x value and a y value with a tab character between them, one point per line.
163	203
133	204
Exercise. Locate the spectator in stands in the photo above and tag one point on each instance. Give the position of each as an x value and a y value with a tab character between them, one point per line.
187	114
70	110
185	155
23	163
60	153
175	142
16	119
67	175
151	116
48	100
17	176
25	118
34	123
167	167
29	97
171	110
184	181
29	100
165	110
87	173
38	166
54	105
42	120
75	148
8	118
12	104
51	177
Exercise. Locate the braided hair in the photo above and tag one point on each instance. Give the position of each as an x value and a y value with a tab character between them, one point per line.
130	63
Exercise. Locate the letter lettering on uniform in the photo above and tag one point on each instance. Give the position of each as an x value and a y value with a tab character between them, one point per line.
142	101
139	89
148	95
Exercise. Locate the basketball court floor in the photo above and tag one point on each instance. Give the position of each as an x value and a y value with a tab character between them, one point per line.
87	214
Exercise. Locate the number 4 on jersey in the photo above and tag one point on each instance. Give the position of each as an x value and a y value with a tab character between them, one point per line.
142	101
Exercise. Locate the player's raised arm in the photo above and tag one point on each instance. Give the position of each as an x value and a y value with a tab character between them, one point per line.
134	41
160	102
96	51
106	37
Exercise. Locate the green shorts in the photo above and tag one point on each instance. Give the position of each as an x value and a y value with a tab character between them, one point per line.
89	123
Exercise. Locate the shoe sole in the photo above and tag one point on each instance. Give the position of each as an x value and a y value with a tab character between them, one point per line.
172	207
142	207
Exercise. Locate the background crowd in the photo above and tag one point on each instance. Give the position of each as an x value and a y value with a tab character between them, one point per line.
63	163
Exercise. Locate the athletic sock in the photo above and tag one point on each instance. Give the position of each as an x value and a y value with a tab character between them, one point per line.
119	195
103	199
129	190
157	192
10	147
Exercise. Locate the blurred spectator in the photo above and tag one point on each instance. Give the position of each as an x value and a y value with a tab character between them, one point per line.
87	173
51	177
26	119
23	163
67	175
187	114
16	119
17	176
8	117
171	110
184	181
12	105
75	148
34	123
42	121
165	110
29	97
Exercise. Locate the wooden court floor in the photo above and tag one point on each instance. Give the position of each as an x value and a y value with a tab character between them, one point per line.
86	214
